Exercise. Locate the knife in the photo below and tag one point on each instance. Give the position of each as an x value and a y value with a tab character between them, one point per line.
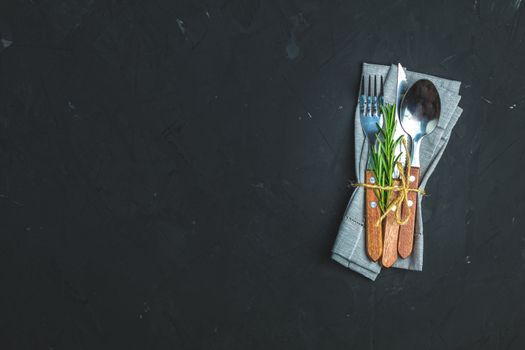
391	230
401	89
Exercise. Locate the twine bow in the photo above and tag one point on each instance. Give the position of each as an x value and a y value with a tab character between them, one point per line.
403	190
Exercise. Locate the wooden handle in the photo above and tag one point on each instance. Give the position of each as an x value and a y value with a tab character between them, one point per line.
406	232
391	234
374	237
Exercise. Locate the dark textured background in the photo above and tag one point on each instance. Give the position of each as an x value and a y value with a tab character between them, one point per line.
173	173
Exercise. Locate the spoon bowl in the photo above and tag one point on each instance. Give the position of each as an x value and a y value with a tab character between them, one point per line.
419	113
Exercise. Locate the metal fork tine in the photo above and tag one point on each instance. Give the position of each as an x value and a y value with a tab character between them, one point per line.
362	98
381	88
374	97
369	97
381	94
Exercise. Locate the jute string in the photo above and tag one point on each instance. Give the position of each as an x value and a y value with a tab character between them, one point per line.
403	190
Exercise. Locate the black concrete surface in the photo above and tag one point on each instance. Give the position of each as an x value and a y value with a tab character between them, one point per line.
173	173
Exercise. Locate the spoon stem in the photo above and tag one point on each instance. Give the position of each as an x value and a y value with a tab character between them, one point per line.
414	156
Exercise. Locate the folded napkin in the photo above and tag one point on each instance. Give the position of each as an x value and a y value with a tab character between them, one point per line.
350	247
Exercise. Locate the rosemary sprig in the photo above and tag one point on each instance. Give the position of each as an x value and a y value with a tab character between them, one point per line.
383	154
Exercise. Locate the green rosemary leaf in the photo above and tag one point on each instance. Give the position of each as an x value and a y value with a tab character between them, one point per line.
384	155
381	133
397	158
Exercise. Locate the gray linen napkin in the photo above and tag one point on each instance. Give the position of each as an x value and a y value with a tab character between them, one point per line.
349	248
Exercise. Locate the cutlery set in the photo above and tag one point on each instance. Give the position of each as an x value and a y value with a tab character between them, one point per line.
417	111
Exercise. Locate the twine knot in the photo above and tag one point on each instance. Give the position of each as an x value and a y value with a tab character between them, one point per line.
403	190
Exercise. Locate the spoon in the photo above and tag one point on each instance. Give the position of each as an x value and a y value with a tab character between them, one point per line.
419	116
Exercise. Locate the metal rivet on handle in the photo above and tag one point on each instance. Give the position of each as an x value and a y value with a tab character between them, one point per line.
373	204
410	203
372	180
412	178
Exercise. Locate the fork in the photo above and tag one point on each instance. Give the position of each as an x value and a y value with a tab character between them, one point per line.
371	120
